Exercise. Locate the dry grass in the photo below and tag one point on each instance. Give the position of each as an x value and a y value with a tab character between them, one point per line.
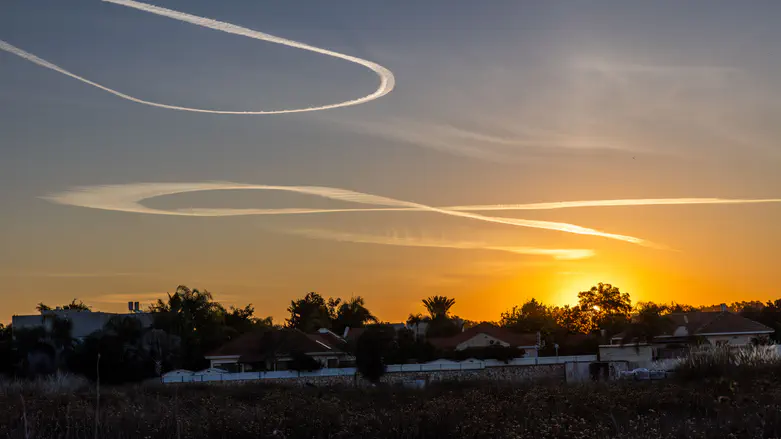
726	362
475	410
59	383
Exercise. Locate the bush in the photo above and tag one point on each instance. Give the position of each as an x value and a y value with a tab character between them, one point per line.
304	363
370	351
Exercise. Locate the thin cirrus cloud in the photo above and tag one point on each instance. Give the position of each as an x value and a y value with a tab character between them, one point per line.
515	147
123	298
387	80
72	275
408	241
128	197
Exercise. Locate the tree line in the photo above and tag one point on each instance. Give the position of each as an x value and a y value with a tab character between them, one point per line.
189	323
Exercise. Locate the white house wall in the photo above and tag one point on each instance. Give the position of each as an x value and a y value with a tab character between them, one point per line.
631	353
736	340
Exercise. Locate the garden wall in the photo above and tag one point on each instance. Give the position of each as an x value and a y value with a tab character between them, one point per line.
509	373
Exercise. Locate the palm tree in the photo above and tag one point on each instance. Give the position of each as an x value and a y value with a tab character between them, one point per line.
438	307
415	320
354	314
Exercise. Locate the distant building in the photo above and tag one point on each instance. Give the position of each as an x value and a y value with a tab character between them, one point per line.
83	323
485	335
273	349
713	328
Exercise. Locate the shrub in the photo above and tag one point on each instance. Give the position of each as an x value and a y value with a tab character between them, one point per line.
370	352
304	363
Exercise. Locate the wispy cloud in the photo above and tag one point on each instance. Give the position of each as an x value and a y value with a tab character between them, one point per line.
517	146
71	274
620	69
410	241
387	80
145	298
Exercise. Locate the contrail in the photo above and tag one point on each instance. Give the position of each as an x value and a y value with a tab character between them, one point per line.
387	81
615	203
127	198
560	254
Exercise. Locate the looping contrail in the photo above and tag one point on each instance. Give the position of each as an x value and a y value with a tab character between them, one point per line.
387	81
127	198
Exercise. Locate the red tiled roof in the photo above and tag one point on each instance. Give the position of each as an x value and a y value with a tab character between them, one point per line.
728	322
712	322
259	345
354	333
512	338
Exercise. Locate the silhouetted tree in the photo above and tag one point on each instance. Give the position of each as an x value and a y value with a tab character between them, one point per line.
312	312
769	315
371	350
196	319
415	320
438	307
352	313
604	307
243	320
533	316
571	320
73	305
303	362
7	354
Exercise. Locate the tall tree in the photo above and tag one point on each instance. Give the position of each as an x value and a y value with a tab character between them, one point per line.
769	315
195	318
243	320
571	319
311	312
438	307
7	358
354	314
440	323
532	316
414	321
372	349
605	307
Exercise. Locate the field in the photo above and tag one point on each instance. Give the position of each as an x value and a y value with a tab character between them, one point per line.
704	409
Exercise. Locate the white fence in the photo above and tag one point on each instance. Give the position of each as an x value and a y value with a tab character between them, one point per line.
188	377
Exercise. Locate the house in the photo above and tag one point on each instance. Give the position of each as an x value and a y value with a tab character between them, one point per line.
714	328
485	335
83	323
274	349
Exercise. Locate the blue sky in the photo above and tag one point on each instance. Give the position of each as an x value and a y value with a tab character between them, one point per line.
507	102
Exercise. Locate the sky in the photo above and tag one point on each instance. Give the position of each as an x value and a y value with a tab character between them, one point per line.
459	117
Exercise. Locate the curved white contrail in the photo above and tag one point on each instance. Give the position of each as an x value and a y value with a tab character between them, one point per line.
387	81
128	197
